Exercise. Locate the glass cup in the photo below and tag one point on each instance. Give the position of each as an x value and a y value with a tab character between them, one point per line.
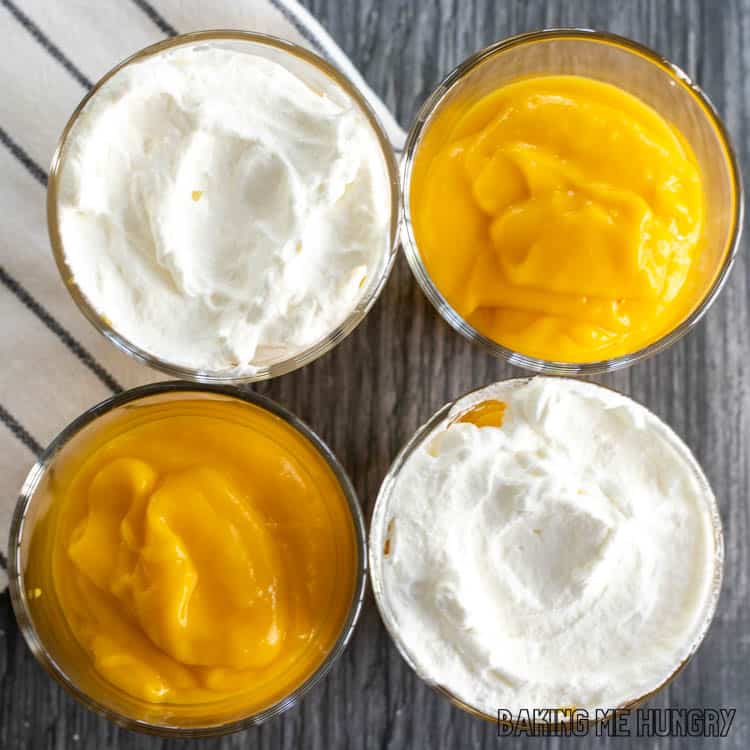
639	71
380	532
43	638
317	73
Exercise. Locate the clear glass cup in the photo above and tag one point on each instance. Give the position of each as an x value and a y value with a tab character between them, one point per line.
42	633
639	71
380	533
317	73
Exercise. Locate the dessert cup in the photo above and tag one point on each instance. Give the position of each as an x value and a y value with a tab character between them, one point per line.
316	72
45	631
381	530
638	71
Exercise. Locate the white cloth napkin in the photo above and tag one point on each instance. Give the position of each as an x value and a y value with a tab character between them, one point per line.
53	364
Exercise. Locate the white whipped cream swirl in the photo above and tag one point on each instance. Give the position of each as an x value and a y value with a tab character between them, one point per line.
566	558
218	211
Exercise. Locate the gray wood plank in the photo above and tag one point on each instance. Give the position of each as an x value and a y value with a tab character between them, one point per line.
366	398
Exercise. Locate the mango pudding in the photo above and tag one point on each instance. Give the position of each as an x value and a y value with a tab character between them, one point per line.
561	217
195	552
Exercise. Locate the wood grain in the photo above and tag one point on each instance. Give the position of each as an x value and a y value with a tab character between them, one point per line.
367	396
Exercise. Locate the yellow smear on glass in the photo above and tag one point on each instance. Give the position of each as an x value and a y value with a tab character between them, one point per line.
486	414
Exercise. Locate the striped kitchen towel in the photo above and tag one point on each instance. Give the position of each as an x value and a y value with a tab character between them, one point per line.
54	364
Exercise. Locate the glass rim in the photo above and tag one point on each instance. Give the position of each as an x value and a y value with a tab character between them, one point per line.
293	361
378	531
16	574
536	364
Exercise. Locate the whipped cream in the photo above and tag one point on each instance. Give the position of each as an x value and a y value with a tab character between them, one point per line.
221	213
565	558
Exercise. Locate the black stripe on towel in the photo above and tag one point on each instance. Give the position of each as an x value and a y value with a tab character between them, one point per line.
11	284
20	431
170	30
27	439
34	169
48	45
156	17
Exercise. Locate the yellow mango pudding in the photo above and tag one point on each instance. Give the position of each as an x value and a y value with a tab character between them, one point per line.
561	218
199	559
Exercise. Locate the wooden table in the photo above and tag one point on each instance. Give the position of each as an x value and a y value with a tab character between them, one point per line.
369	395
